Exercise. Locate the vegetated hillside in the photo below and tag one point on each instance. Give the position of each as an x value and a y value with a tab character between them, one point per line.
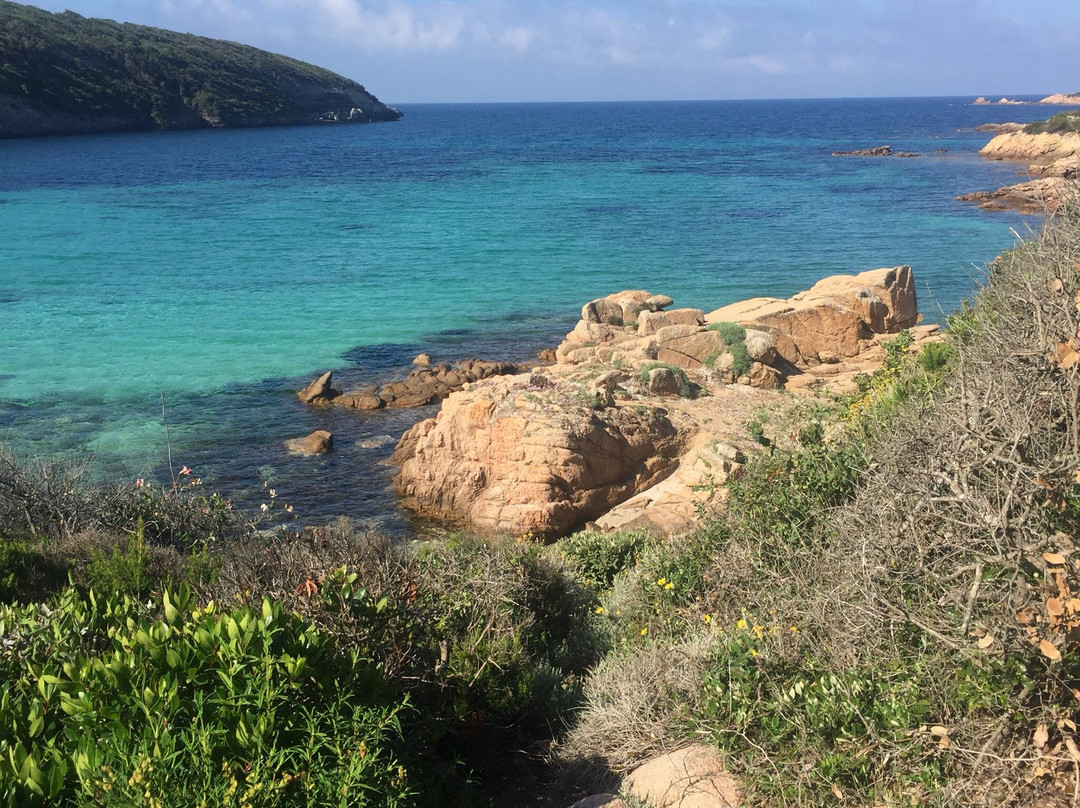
1068	121
66	74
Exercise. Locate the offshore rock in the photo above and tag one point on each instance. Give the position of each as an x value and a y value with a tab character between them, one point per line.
877	151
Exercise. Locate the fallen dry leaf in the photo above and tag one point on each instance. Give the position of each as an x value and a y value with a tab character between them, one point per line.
986	641
1054	607
1041	736
1074	753
1054	286
1056	559
1049	650
1064	355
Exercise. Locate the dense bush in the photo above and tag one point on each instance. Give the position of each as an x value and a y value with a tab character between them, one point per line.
111	701
1061	123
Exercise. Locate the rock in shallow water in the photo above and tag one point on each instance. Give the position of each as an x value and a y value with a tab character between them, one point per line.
318	442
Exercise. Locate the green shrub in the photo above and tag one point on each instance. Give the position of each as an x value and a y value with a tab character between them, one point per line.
826	723
124	570
734	336
731	332
503	631
1061	123
935	356
116	702
598	557
28	571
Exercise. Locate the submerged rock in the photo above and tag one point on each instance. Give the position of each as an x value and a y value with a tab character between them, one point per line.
318	442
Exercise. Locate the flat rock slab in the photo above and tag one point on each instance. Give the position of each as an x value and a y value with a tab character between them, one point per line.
693	777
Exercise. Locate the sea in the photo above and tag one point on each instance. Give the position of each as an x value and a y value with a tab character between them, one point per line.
164	295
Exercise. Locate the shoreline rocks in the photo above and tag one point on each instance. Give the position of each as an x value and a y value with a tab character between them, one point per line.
427	384
636	429
318	442
1053	162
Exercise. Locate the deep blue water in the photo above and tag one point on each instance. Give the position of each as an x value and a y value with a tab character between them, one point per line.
220	271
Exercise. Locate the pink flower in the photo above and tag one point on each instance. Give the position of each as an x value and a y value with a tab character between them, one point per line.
185	470
139	483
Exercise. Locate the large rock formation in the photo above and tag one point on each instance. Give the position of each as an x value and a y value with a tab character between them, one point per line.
1051	159
1043	149
1043	195
1064	99
533	454
615	433
836	318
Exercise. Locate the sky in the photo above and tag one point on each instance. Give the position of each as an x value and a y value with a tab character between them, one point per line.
420	51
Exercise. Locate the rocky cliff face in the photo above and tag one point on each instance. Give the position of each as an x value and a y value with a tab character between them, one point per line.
1043	149
67	74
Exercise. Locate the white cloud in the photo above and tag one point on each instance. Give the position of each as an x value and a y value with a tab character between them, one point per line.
518	38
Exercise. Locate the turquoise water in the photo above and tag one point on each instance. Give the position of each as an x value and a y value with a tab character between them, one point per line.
218	271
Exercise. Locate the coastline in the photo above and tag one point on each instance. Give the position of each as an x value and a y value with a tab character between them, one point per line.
493	277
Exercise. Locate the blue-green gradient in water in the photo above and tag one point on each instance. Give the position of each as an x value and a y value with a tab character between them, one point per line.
220	271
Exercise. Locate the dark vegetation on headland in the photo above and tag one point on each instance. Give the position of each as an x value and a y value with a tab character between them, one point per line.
67	74
888	613
1061	123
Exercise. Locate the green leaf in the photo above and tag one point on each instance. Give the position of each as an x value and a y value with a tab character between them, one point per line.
172	614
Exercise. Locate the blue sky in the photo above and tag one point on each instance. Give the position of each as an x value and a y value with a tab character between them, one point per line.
588	50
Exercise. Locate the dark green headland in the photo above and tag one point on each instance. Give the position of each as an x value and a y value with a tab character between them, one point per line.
68	74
